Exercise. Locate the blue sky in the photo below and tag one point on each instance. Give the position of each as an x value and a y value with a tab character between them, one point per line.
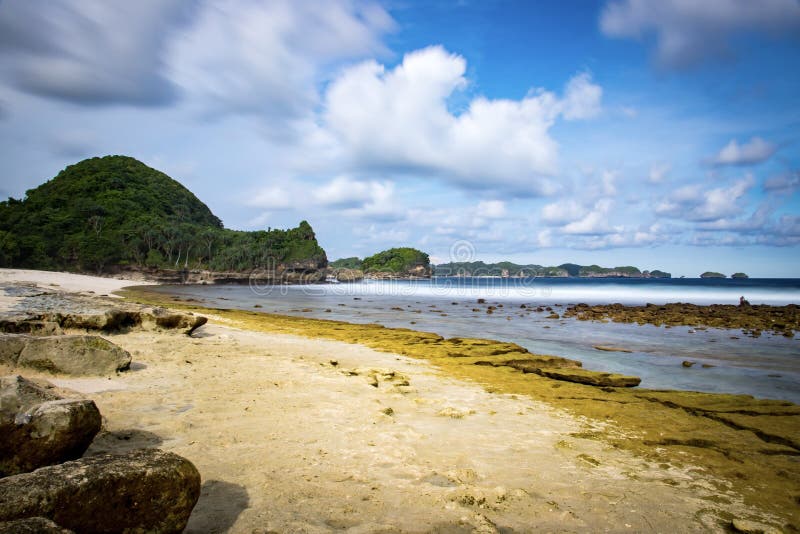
657	133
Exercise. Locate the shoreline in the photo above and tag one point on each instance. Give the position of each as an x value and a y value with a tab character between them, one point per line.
718	453
749	443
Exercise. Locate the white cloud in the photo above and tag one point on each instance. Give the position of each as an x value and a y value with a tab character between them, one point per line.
754	151
90	53
265	57
491	209
562	212
398	119
595	222
786	183
344	195
582	98
691	203
689	32
271	198
658	172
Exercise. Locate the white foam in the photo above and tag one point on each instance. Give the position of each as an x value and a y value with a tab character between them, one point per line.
539	290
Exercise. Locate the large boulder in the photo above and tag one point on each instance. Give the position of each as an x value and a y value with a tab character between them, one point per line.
80	355
38	428
147	490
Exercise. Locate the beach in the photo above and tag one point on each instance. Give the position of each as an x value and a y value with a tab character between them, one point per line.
310	433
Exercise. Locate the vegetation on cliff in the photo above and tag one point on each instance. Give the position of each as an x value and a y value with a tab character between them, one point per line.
403	260
346	263
506	268
102	214
712	274
739	276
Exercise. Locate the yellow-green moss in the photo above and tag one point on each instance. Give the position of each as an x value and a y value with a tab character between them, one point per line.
751	445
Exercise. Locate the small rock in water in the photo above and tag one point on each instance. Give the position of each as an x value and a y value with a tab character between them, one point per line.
687	363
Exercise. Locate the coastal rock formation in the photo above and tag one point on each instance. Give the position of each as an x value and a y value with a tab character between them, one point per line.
34	327
348	275
783	320
32	525
79	355
591	378
38	428
110	320
147	490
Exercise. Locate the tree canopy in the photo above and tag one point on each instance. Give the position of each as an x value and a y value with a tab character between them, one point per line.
396	260
103	213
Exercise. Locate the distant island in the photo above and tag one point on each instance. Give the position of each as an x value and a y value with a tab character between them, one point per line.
115	214
513	270
394	263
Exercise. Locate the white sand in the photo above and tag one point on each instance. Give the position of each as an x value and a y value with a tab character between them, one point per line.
288	442
74	283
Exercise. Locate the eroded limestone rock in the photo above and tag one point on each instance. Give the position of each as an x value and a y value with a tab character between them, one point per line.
147	490
39	428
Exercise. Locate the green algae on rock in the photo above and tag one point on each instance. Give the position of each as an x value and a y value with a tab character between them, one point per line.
751	446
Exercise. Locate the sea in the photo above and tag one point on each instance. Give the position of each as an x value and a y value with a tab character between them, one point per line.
726	360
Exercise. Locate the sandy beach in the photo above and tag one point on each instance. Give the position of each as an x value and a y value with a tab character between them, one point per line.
292	434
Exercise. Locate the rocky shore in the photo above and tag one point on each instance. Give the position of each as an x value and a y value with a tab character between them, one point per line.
401	427
752	320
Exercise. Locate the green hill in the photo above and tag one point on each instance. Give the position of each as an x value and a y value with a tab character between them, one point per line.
398	261
103	214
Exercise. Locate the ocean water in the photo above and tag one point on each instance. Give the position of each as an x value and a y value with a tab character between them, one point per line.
765	367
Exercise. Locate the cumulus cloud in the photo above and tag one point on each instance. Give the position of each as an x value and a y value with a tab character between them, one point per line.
398	119
692	203
754	151
595	222
689	32
562	212
343	195
89	52
265	57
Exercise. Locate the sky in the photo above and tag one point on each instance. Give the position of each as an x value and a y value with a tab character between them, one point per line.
663	134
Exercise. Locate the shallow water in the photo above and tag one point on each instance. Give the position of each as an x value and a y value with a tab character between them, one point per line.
766	367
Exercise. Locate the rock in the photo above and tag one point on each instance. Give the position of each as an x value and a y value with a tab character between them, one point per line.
147	490
591	378
609	348
199	321
532	365
751	527
11	346
81	355
553	315
687	363
35	327
39	428
32	525
349	275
